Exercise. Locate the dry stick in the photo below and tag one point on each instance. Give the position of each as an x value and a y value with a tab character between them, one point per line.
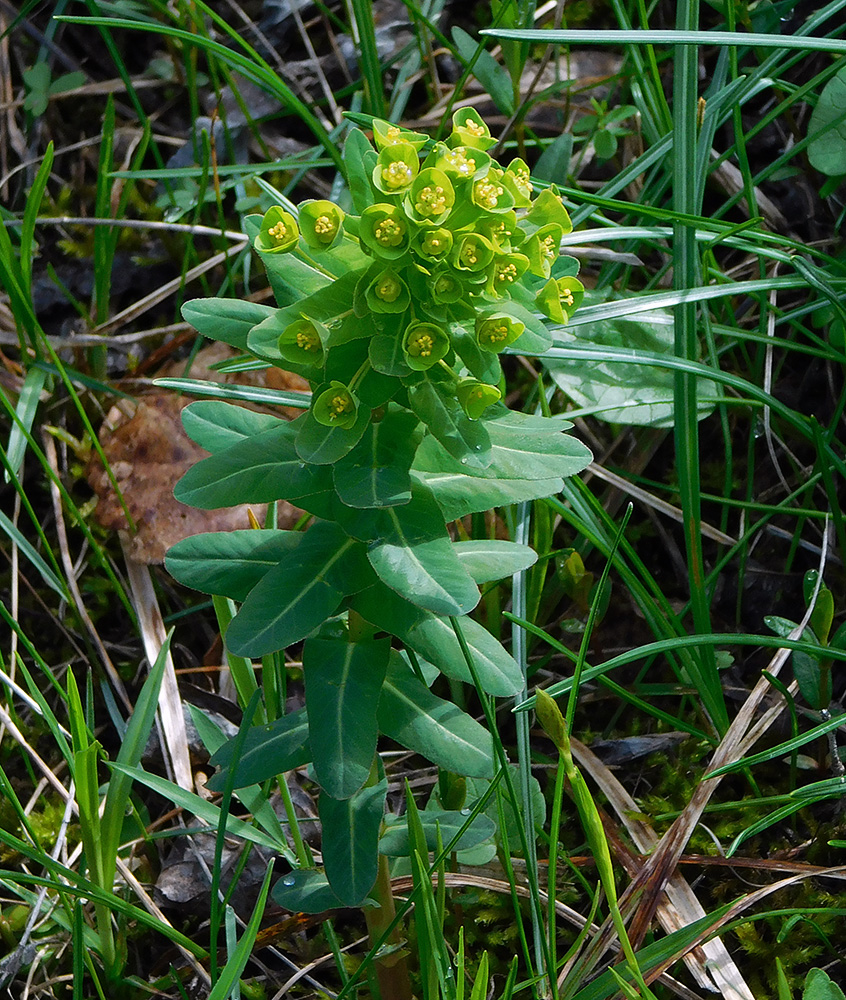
714	967
50	453
171	719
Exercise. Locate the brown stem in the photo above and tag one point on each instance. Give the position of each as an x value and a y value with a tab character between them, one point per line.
392	970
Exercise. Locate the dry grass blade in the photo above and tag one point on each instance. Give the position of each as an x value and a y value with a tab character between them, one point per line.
712	967
741	735
172	720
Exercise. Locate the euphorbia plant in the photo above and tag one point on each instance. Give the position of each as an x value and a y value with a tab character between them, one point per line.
397	312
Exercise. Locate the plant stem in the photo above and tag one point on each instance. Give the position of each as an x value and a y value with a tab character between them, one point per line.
392	970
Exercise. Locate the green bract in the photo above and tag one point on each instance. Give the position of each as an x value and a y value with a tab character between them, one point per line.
387	293
321	223
279	232
384	230
542	248
496	331
468	129
387	134
431	197
396	168
560	297
475	397
472	253
547	208
423	345
336	406
432	243
302	342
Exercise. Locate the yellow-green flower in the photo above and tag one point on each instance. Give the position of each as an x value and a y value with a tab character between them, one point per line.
279	232
396	168
387	293
475	397
490	194
423	345
431	197
320	223
472	252
468	129
496	331
506	269
302	342
445	287
560	298
384	230
336	407
388	134
542	249
433	243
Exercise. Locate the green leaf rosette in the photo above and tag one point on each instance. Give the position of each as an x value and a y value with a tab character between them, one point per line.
468	129
302	342
387	293
423	345
475	397
560	298
279	232
336	407
396	169
431	197
496	331
321	223
384	230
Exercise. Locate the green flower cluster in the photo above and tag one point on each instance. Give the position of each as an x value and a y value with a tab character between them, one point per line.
447	261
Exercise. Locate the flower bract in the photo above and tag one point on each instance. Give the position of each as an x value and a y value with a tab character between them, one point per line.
279	232
336	407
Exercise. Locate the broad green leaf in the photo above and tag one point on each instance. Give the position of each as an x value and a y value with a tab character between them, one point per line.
434	639
493	559
436	729
343	680
215	424
806	668
375	473
237	962
394	841
414	555
253	796
554	162
230	563
327	304
350	841
624	393
536	338
827	152
267	751
522	446
465	439
296	596
306	891
481	364
321	445
818	984
259	469
226	320
387	356
493	77
458	494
